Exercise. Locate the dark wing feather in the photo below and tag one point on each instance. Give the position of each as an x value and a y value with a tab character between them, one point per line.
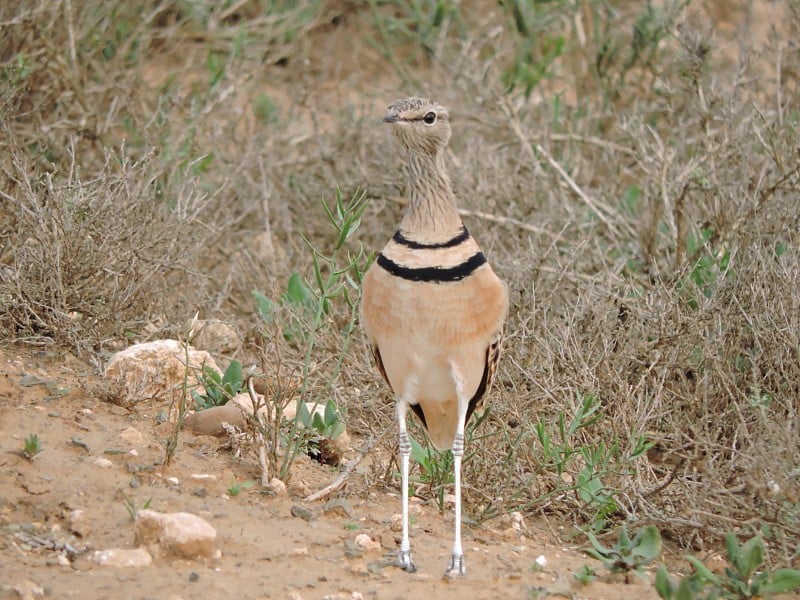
489	370
376	354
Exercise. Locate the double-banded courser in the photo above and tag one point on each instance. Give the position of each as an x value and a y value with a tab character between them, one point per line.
432	308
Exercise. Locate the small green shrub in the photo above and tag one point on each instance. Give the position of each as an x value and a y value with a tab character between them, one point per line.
741	578
32	446
219	388
628	555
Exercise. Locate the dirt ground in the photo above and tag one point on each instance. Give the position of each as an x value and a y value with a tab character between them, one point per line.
265	551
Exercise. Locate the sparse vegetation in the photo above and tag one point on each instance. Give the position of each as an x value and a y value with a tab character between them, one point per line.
130	506
219	389
634	181
628	555
236	488
32	447
743	578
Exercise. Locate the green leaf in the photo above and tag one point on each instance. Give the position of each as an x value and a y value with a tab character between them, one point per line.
233	376
318	423
297	293
264	306
418	454
782	582
647	543
704	573
752	553
665	588
598	550
303	415
330	412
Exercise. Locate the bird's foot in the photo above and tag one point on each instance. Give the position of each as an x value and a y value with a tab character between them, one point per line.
404	561
457	567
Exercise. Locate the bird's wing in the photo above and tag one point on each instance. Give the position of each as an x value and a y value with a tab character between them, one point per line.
489	370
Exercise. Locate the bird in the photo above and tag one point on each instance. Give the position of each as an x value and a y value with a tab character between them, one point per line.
432	308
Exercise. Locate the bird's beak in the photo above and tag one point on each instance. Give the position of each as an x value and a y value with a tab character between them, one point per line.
391	117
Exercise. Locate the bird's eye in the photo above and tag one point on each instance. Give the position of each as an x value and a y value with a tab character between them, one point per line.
429	118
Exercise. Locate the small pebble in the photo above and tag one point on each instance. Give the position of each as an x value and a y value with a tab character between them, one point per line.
303	513
103	463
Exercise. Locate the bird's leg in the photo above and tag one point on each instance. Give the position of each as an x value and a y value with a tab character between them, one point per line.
404	557
457	567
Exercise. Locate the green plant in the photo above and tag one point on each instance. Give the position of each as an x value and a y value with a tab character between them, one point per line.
627	555
328	425
536	48
219	389
295	308
234	489
419	26
586	575
32	446
741	578
337	276
435	468
265	109
130	505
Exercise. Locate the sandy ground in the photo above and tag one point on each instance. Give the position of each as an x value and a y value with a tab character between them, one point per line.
265	552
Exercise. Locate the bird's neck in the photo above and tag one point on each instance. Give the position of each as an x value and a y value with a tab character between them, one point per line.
432	213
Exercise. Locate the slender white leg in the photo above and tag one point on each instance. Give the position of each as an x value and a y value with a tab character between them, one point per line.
404	558
457	567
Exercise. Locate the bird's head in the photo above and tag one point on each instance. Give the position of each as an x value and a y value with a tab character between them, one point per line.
419	124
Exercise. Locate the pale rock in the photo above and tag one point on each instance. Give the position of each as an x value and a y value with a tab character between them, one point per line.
341	443
180	534
277	486
210	420
123	557
132	436
366	543
155	370
203	477
27	590
173	481
245	403
338	507
295	595
78	523
290	411
299	552
63	561
103	463
396	523
215	336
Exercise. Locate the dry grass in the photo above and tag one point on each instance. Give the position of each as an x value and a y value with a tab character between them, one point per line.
640	198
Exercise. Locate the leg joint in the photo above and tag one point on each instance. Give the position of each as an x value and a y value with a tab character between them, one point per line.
458	445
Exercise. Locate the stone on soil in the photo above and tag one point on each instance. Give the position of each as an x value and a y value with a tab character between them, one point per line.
215	336
154	370
179	534
122	557
78	523
210	420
